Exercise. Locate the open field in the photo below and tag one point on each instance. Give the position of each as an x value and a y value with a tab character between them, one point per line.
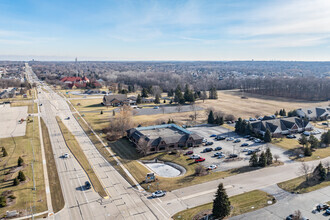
230	102
242	203
77	152
90	105
299	185
32	106
22	147
54	182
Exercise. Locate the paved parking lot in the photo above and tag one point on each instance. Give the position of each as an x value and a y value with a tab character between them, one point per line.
229	147
9	121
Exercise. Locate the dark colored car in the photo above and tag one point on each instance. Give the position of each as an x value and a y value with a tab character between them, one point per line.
244	145
219	138
189	152
208	143
213	135
251	138
87	185
291	136
208	149
233	155
218	148
201	159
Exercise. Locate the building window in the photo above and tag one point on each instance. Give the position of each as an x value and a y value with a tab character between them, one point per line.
152	149
172	146
162	148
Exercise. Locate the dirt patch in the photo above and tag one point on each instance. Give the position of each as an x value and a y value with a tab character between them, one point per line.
202	214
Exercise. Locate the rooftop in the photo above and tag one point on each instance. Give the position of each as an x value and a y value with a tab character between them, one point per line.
166	130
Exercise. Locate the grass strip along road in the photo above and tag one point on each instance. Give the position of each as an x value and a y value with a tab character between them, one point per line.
54	181
78	153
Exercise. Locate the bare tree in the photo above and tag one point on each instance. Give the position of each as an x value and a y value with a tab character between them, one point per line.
276	156
200	170
179	108
305	170
162	108
230	117
193	107
297	215
142	147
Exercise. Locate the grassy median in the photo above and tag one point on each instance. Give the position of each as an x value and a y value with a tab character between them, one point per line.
54	181
241	204
300	185
23	194
78	153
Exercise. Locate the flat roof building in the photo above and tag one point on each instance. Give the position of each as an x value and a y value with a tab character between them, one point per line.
163	137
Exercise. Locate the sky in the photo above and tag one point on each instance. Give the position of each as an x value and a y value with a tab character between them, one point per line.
135	30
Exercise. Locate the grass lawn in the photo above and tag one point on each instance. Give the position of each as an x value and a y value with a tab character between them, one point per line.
78	153
286	143
299	185
228	127
241	204
90	105
54	182
22	147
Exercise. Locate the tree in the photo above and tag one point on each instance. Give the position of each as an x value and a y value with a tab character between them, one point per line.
303	140
3	202
307	151
21	176
179	108
157	99
262	160
238	125
268	136
138	99
313	141
276	113
325	138
305	169
142	147
221	203
144	93
20	161
320	172
219	120
283	112
203	96
276	157
113	113
16	181
178	96
170	93
269	156
4	152
210	119
254	160
101	112
297	215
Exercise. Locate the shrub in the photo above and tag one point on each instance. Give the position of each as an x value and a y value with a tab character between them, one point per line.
20	161
16	181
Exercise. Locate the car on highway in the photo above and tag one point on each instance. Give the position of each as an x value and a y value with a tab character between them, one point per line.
219	138
218	148
158	193
212	167
156	107
208	149
257	140
201	159
244	145
68	118
290	136
189	152
195	156
87	185
237	140
230	139
213	135
208	143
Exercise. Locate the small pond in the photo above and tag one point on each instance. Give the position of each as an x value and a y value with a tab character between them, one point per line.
164	170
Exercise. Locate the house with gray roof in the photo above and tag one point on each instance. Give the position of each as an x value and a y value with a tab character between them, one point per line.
314	113
282	126
164	137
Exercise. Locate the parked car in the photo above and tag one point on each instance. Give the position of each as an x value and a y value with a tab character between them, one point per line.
251	138
230	139
195	156
327	211
66	155
217	154
156	107
213	135
233	155
159	193
208	149
237	140
247	136
244	145
221	156
324	123
257	140
321	207
306	133
290	136
40	104
204	140
218	148
219	138
212	167
189	152
208	143
201	159
245	150
87	185
315	132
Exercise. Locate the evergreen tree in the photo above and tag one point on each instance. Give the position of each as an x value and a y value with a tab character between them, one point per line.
157	99
313	141
276	113
210	119
4	152
243	127
138	99
186	93
101	112
169	121
320	172
262	160
164	101
254	160
178	96
283	112
16	181
113	113
249	129
219	120
221	203
238	125
20	161
3	202
144	93
268	136
269	156
303	140
21	176
170	93
308	151
325	138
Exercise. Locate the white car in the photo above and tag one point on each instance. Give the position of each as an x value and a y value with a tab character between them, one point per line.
195	156
230	139
212	167
257	140
204	140
66	155
158	193
245	150
156	107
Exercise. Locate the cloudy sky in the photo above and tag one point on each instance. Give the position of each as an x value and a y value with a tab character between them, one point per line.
165	30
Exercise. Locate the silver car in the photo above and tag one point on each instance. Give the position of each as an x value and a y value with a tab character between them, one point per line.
158	193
